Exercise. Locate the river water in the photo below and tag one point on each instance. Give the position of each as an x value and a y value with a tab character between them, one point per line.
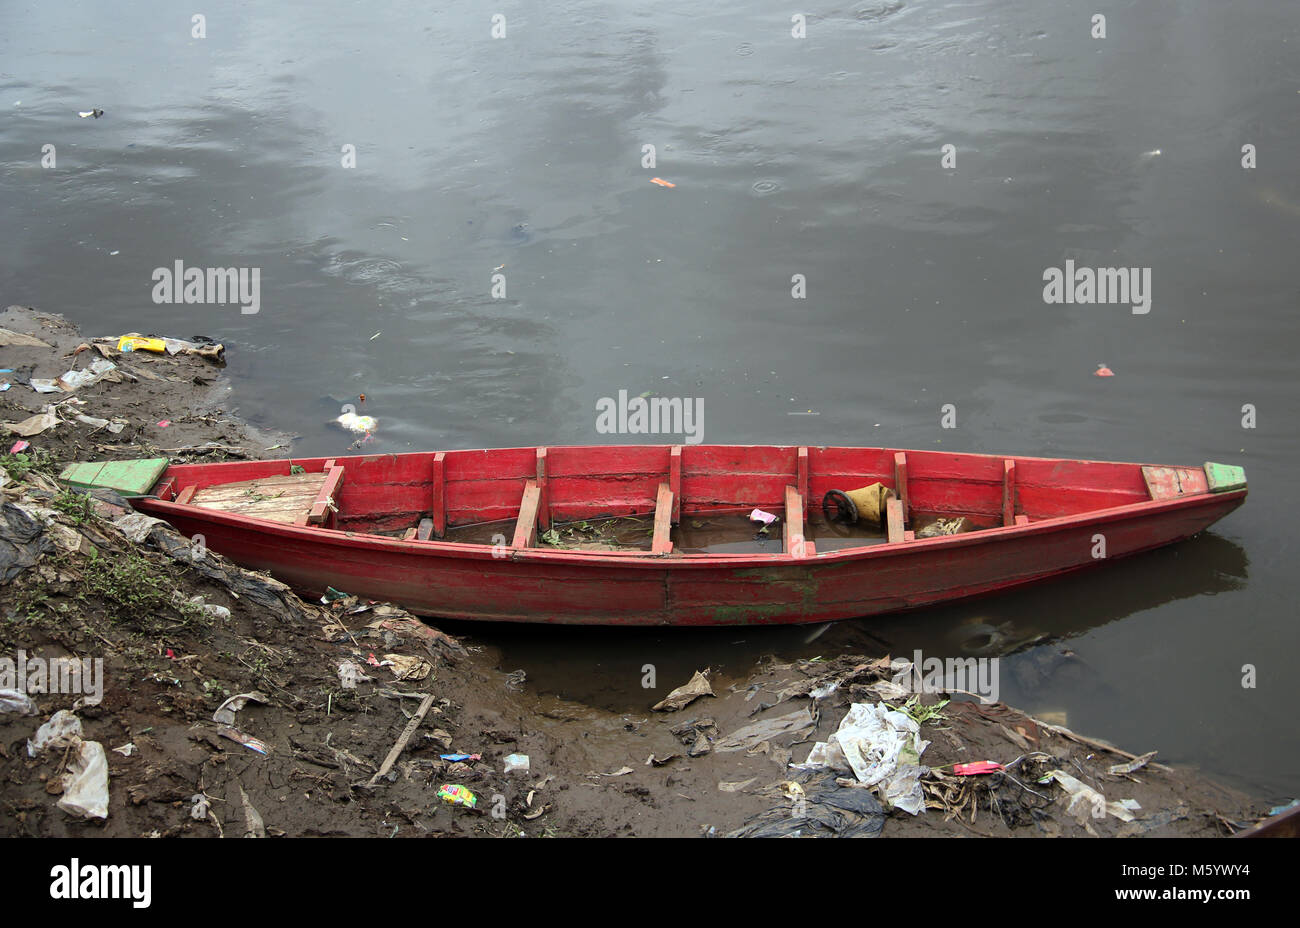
524	156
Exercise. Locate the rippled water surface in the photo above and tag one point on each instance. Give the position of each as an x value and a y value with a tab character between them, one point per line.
817	156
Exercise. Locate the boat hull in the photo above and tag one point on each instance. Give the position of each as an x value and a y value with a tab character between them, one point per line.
506	584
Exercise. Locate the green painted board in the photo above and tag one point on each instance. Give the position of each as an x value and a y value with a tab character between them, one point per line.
1224	477
130	478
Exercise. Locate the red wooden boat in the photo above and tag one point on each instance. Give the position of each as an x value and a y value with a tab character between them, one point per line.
516	534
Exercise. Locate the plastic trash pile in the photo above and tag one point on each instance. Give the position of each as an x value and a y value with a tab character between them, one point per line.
883	748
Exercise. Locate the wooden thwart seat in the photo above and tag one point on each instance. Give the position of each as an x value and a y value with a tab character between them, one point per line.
295	499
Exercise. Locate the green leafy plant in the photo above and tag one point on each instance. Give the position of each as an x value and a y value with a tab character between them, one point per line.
922	714
75	505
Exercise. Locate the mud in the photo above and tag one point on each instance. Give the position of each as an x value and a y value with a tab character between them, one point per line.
719	765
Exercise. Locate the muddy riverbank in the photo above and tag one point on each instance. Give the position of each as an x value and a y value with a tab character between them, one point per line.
337	686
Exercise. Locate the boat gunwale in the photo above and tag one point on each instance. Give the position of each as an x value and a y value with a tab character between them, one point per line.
646	560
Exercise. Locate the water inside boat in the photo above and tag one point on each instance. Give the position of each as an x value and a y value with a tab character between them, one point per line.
715	533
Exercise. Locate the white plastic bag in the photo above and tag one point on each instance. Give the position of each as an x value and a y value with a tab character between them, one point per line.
14	701
85	785
60	731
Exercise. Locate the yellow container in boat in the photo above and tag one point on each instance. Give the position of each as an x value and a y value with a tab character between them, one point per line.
140	343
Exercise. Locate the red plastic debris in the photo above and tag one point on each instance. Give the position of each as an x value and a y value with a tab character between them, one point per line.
1103	371
19	446
164	423
979	766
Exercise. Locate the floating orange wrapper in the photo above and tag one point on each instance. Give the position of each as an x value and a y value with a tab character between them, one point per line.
1103	371
661	182
140	343
458	795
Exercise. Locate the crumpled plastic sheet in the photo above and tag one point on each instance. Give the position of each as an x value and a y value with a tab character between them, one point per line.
61	730
797	724
1082	801
22	541
827	810
883	748
85	785
16	701
350	674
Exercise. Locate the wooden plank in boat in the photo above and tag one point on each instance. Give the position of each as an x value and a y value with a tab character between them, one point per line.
250	502
526	524
660	544
900	483
129	478
258	499
1222	478
1173	482
894	516
792	532
292	485
323	507
286	498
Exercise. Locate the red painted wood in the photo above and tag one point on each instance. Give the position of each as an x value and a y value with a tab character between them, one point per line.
675	481
1008	492
1065	501
439	481
544	499
900	484
801	468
